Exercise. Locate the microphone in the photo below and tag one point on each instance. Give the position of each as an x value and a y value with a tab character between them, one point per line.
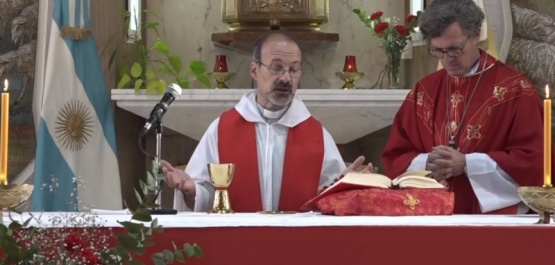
172	93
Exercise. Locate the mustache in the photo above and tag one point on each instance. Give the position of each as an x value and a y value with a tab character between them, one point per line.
283	85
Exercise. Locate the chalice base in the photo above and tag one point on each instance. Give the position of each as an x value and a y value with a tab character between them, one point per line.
541	200
221	85
221	203
349	85
14	196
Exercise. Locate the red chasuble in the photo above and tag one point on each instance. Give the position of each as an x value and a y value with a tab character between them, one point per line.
503	120
302	167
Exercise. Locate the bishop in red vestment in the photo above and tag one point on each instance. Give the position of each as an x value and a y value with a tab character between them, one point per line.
476	108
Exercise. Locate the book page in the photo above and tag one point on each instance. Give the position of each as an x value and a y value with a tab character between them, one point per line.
416	179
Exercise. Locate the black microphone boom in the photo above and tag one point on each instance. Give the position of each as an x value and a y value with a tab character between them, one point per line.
172	93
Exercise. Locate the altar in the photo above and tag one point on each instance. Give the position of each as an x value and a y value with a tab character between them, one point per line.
346	114
311	238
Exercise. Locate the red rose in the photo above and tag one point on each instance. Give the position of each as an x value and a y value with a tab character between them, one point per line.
376	15
402	30
91	258
72	242
409	18
381	27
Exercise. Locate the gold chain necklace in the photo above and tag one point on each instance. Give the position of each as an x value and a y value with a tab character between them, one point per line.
465	109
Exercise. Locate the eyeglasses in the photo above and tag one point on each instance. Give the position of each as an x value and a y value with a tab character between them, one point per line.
453	53
279	70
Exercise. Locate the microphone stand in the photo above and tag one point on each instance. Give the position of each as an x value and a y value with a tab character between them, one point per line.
157	197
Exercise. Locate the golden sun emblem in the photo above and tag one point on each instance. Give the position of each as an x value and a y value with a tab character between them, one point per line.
74	125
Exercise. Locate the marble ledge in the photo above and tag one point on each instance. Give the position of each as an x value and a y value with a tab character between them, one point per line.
346	114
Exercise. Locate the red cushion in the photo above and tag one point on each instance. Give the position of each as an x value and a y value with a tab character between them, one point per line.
396	202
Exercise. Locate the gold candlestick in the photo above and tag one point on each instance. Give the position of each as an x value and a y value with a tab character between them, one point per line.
349	78
221	176
221	78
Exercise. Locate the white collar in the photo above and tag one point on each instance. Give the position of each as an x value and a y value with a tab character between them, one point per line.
295	114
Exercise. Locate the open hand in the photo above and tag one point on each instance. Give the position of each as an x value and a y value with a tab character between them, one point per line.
357	164
177	179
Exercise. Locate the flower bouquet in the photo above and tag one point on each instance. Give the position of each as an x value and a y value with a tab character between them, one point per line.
81	237
394	37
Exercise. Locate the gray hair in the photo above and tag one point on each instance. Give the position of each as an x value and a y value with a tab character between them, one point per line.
259	43
441	14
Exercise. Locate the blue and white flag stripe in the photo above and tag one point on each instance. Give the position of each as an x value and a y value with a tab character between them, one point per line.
76	137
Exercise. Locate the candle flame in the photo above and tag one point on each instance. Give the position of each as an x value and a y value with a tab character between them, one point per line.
546	91
6	84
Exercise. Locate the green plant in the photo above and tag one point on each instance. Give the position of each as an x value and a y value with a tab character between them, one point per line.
140	74
21	243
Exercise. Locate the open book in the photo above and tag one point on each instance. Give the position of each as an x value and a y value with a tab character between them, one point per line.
357	180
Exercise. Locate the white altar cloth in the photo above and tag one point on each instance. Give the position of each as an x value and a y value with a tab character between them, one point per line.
203	220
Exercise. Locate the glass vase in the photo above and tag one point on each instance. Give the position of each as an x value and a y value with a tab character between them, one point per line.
393	64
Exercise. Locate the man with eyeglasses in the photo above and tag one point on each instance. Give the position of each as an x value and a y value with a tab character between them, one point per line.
476	123
283	156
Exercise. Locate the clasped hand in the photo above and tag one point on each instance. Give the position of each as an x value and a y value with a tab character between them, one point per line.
445	162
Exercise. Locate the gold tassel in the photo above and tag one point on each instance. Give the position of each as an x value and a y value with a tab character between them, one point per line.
75	33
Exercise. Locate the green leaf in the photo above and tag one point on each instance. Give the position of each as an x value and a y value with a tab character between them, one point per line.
176	63
162	47
197	67
142	215
168	255
135	262
154	223
125	79
26	223
15	226
138	84
179	256
149	244
158	258
143	186
162	86
151	86
189	250
149	75
136	70
198	251
164	69
149	179
128	241
132	227
139	197
184	83
203	79
356	11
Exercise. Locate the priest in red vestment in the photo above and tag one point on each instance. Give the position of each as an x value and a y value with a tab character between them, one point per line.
283	155
476	123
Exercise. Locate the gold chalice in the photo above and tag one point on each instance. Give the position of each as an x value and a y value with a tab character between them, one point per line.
14	195
541	200
221	176
349	78
221	78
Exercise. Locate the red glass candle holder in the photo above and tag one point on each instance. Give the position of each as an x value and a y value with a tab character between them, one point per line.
350	64
221	64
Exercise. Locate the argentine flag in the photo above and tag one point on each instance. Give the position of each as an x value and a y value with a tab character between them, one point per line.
75	165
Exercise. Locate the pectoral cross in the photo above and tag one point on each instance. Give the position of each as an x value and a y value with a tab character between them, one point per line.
452	142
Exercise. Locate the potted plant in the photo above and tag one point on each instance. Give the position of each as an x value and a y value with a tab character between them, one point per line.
152	68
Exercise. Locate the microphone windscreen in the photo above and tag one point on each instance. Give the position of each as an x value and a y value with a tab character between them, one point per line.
174	90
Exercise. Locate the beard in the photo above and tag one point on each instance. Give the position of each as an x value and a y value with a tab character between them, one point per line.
281	94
